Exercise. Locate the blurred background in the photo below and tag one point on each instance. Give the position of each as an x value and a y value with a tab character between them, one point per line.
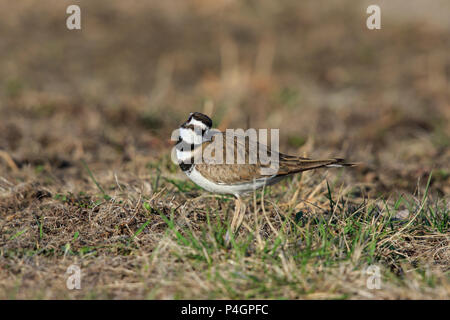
112	92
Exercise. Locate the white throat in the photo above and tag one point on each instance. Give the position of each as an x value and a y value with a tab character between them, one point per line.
190	136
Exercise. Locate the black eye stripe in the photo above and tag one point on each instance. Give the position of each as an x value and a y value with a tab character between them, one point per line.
196	129
188	126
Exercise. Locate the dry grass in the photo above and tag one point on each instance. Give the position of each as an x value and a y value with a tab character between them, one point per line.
105	100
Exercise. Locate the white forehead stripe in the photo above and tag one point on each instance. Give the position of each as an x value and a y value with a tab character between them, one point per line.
197	123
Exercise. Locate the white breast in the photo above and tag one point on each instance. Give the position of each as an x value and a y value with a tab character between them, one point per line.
235	189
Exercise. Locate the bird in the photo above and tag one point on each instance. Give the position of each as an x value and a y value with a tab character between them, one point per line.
202	151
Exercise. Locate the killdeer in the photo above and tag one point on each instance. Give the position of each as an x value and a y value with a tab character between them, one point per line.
202	154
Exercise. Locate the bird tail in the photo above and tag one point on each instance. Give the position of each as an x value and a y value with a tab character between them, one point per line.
338	163
295	164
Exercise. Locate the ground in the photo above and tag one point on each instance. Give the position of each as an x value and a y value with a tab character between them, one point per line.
86	176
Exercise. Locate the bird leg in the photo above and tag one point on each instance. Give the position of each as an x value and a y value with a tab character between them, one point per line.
237	209
242	209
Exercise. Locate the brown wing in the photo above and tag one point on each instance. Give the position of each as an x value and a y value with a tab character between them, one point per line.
245	164
230	161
